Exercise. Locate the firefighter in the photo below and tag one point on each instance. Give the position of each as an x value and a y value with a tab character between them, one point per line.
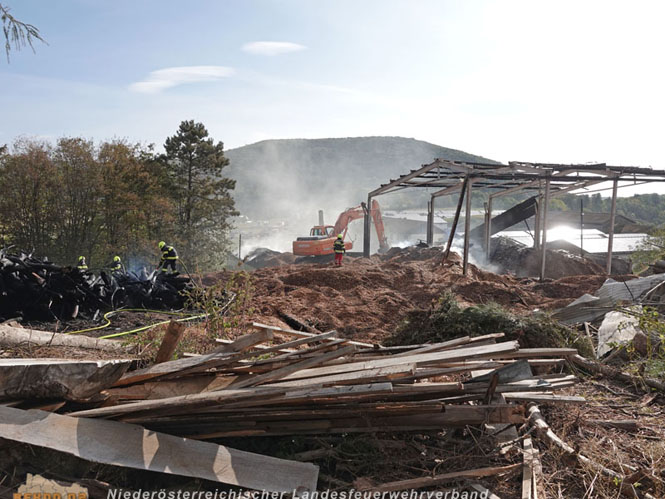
340	249
81	265
116	265
169	257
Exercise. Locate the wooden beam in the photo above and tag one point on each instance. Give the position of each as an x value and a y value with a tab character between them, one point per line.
245	342
458	210
174	332
130	446
430	481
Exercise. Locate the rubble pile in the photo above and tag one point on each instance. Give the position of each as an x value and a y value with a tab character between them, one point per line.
35	289
516	258
367	298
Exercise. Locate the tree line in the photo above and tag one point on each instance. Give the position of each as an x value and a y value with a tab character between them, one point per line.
74	197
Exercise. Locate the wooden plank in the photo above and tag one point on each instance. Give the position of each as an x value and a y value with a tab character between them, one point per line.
257	347
174	332
130	446
183	401
430	481
293	368
539	352
422	359
245	342
302	334
436	346
453	416
358	377
527	469
544	397
170	388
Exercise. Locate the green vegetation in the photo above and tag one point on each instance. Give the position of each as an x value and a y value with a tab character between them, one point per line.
448	321
649	358
76	198
649	251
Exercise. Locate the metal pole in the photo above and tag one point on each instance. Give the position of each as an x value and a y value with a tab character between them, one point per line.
488	229
239	246
321	217
613	213
367	229
536	225
543	242
581	226
451	236
430	222
467	227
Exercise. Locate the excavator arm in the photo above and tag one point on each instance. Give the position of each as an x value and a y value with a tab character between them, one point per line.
346	217
378	225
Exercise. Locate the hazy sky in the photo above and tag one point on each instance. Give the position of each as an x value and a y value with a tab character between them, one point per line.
565	81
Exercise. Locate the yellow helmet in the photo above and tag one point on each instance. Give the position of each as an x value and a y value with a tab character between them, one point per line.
81	258
340	236
161	244
116	258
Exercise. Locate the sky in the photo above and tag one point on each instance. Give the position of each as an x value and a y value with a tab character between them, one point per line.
566	81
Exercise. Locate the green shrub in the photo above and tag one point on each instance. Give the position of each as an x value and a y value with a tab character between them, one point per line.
447	320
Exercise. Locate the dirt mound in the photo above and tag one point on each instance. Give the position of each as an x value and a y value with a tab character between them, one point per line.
366	299
261	258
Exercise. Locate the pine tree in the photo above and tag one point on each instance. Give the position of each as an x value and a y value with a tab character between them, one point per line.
201	193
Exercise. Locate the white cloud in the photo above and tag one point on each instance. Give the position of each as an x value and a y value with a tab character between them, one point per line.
272	48
170	77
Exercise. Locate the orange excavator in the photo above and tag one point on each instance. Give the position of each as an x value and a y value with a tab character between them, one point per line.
322	237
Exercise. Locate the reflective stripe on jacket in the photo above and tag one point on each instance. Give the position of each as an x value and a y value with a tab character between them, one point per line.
169	253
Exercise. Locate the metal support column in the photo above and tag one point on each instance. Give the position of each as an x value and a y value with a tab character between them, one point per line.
467	227
451	235
543	242
536	224
367	229
430	222
488	229
613	213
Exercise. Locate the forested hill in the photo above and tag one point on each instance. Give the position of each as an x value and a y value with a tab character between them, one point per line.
276	176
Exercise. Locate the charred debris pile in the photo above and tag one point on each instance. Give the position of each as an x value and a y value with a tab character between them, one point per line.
38	289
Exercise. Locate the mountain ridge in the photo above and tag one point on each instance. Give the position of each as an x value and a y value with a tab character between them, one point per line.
276	177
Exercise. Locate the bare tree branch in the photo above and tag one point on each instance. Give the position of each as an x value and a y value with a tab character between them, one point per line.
17	34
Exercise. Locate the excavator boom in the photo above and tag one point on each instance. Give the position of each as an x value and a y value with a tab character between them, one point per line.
322	237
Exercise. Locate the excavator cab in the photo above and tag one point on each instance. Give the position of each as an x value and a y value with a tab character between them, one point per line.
321	231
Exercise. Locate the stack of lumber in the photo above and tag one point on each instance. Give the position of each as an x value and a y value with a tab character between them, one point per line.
272	381
322	383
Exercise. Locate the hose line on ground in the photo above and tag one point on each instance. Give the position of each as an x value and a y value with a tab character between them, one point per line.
143	328
113	312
